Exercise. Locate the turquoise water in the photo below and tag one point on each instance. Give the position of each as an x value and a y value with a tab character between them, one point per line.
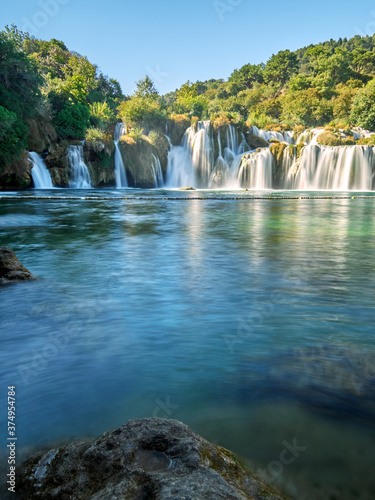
252	321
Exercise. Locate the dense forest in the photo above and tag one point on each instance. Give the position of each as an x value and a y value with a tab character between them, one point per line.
49	91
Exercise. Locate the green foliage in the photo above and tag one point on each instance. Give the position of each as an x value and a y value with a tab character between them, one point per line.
332	138
19	77
136	133
259	120
247	76
13	134
188	101
328	138
73	121
366	141
94	134
144	109
363	110
307	108
281	67
142	112
101	114
153	137
145	89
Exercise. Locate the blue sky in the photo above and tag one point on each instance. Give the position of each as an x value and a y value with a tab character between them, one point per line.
178	41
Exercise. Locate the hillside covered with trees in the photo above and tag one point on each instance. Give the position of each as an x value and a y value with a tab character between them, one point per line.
50	95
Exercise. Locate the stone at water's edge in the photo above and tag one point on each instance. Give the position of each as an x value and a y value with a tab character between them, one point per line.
153	459
11	269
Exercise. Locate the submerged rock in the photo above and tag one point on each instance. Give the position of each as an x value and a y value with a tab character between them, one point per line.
153	459
11	269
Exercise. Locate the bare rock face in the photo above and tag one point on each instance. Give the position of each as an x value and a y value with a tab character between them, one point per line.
149	459
11	269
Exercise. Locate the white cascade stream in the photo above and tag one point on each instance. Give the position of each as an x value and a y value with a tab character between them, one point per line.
39	172
121	179
79	173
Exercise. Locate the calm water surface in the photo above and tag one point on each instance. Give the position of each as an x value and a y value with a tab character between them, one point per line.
251	321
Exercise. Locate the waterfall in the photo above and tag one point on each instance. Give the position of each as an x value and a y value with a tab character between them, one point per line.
333	168
39	172
209	161
158	174
255	170
79	173
121	180
193	163
279	136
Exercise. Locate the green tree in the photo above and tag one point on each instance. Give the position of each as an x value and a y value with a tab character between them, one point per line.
73	121
13	134
145	89
363	110
281	67
247	76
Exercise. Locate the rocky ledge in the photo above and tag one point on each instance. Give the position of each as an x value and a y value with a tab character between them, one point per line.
11	269
153	459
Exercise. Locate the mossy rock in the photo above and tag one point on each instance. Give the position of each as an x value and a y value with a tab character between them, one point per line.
366	141
277	149
137	155
328	138
99	158
17	175
177	126
57	164
256	142
162	146
187	189
42	135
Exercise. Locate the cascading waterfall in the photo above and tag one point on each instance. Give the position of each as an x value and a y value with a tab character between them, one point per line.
279	136
255	171
158	174
333	168
316	167
39	172
79	173
193	163
121	180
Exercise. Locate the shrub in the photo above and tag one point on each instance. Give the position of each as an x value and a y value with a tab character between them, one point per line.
73	121
366	141
136	133
142	112
329	138
260	120
94	134
101	114
363	110
13	133
153	137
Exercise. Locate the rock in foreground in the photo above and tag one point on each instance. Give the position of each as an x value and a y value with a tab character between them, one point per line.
153	459
10	267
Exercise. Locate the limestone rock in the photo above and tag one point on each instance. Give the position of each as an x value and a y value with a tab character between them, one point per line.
10	267
153	459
